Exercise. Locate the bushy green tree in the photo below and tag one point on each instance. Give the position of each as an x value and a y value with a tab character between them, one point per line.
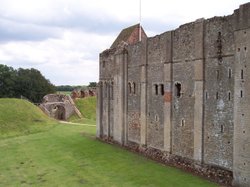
7	81
29	83
33	85
92	84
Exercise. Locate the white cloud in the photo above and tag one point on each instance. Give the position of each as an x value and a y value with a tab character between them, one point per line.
63	38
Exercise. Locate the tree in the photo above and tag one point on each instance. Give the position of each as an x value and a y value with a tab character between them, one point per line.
92	84
33	85
7	81
29	83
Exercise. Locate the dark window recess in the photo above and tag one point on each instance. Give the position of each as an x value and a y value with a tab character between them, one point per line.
217	95
206	95
178	89
129	88
238	49
219	47
162	89
229	73
241	93
217	74
156	89
222	128
112	91
106	90
134	88
229	96
242	74
245	48
182	122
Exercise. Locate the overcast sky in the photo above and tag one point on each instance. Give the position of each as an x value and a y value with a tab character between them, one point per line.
63	38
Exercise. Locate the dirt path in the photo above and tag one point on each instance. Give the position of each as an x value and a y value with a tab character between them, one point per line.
71	123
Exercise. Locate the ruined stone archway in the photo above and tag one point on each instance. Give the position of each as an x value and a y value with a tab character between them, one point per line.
59	112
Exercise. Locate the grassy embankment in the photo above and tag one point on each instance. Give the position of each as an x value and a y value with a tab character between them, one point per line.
49	154
20	117
87	107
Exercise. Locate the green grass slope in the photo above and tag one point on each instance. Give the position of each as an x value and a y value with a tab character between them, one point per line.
20	117
87	107
69	155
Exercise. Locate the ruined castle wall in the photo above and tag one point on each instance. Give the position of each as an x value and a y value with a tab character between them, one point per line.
134	93
183	105
219	91
156	57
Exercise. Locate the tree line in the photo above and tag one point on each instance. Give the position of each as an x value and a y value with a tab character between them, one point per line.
28	83
69	88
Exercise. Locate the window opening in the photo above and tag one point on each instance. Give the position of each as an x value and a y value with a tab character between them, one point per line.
134	88
242	74
182	122
241	93
229	96
112	90
156	89
217	74
217	95
222	128
129	87
156	118
162	89
229	73
178	89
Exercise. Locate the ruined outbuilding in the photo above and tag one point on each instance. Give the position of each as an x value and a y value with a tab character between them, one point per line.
59	106
182	97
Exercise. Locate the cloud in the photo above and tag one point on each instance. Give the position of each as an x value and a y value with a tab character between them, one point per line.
63	38
74	54
17	31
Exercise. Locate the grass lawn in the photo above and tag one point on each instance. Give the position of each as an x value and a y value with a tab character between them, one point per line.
20	117
87	107
68	155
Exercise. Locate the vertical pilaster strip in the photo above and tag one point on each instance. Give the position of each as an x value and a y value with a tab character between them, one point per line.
168	94
143	115
99	111
119	100
125	102
198	90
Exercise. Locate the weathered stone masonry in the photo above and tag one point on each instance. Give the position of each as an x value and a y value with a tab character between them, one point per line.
184	94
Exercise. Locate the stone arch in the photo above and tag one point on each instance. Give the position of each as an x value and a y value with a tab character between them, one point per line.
59	112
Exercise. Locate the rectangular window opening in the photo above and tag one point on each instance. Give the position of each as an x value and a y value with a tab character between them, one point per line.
217	95
242	74
229	73
217	74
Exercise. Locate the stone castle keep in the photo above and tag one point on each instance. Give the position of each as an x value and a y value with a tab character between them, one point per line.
183	94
